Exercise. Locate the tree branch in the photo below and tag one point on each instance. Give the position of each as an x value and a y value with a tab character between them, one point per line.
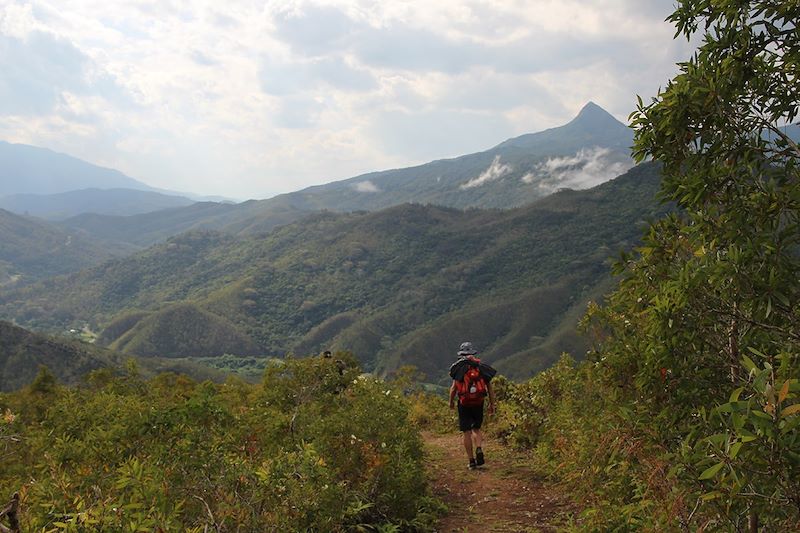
208	510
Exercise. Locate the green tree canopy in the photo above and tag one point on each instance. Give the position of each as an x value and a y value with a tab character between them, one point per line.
702	336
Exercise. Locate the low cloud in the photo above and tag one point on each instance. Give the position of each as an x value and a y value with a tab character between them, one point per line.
366	186
587	168
495	171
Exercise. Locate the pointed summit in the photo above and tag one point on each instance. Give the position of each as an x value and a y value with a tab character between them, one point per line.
593	126
592	116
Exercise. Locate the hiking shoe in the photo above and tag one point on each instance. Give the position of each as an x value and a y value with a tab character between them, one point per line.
472	464
479	457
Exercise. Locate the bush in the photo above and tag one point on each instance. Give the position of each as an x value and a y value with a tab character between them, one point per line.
315	446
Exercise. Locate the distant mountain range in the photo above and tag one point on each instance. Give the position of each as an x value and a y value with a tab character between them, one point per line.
121	202
51	185
592	148
503	247
396	286
517	171
32	170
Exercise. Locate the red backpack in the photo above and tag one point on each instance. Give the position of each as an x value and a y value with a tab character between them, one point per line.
472	389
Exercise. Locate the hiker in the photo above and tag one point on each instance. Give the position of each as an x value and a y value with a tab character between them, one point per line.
472	384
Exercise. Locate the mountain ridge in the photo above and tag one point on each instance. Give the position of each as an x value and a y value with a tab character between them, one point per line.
511	174
33	169
370	282
63	205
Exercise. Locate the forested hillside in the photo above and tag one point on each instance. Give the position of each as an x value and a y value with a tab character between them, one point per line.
31	249
146	229
22	352
70	360
395	286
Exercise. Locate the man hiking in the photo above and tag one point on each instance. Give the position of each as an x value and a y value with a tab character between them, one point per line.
471	383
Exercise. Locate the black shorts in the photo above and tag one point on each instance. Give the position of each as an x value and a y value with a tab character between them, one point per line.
470	417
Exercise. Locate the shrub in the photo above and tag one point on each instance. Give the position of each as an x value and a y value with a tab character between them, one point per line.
315	446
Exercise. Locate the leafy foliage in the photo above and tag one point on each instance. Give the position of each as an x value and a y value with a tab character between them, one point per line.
313	447
687	416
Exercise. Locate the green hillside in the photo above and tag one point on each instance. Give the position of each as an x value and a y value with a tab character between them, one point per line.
32	249
22	352
402	285
183	330
590	149
149	228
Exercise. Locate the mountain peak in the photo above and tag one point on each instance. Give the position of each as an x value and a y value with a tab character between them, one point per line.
592	115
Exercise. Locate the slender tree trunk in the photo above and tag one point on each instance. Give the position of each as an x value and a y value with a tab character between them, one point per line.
733	349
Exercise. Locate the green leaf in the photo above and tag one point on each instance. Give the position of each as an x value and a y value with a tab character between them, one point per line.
710	472
735	394
782	297
748	363
734	451
756	351
717	439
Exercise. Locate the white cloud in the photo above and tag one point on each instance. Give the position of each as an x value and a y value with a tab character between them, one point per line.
495	171
366	186
251	99
585	169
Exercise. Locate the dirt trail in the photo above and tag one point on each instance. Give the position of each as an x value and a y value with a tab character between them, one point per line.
502	496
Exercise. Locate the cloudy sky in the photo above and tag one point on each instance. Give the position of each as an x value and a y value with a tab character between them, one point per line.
247	99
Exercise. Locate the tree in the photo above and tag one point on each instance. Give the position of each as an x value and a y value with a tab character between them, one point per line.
703	334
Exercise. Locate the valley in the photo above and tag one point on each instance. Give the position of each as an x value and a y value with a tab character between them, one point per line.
505	247
397	286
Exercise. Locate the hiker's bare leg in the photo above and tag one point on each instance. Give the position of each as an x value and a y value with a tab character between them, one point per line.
468	444
477	437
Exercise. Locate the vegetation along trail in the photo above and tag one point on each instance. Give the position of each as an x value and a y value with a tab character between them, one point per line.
502	496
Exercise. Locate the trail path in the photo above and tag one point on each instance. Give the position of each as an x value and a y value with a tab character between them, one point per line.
503	496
